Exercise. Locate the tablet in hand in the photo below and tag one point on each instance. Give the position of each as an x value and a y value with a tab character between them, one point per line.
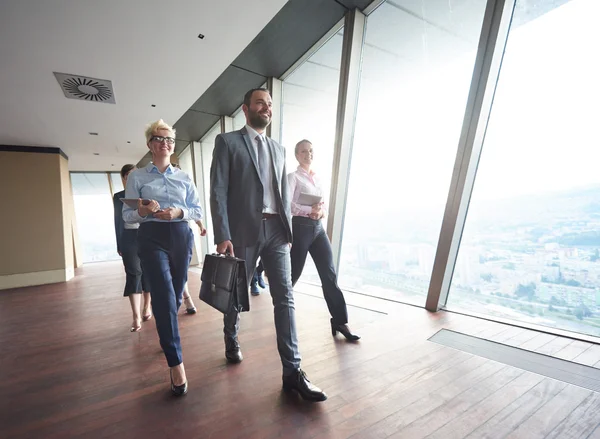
133	202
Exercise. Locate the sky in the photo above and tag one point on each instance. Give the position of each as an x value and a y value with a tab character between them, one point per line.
542	134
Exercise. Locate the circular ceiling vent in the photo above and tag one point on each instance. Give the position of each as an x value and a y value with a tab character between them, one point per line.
85	88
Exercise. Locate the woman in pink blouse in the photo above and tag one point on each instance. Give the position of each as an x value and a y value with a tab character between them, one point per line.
310	237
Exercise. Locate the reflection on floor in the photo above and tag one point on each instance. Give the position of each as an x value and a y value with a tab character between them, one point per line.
70	368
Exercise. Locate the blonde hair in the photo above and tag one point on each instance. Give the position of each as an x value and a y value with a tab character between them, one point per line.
158	125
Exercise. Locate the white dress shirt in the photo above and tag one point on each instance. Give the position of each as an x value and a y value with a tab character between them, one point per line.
269	201
299	182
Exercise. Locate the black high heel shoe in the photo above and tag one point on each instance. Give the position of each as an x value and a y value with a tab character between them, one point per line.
344	330
178	390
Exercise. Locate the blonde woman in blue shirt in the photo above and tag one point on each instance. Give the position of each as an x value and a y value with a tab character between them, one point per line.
167	199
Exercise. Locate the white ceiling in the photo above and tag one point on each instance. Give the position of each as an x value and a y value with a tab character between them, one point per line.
149	49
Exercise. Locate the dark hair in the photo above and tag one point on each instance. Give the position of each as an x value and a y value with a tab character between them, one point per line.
249	93
300	143
125	169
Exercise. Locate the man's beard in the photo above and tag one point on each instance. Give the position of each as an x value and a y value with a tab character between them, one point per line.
257	121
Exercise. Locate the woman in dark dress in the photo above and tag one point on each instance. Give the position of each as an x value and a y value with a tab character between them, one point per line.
136	284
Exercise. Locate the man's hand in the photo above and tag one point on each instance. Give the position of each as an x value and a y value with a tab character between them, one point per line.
170	213
225	247
145	210
119	252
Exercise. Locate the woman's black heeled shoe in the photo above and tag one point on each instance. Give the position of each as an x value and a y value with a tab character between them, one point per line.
178	390
344	330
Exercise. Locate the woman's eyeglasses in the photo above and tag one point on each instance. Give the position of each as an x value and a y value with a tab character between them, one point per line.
161	139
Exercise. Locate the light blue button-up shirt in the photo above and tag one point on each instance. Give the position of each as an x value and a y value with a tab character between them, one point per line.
172	188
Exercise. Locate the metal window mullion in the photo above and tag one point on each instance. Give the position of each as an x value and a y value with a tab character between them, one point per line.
193	156
226	124
492	42
354	34
110	185
197	169
275	87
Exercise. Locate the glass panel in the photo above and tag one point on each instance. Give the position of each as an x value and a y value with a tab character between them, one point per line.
531	245
417	67
185	163
117	183
239	120
95	216
207	145
309	111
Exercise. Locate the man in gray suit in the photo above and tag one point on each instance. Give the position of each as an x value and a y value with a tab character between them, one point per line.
250	208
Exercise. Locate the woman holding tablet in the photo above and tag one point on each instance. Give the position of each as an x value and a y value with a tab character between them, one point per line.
165	239
135	284
310	237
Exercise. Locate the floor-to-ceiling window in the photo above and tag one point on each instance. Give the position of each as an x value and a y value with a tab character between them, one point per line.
530	250
416	71
207	145
309	111
95	216
116	182
186	165
239	119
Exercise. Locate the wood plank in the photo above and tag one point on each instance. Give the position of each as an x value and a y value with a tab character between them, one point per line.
547	418
77	372
581	422
509	418
464	424
572	350
589	357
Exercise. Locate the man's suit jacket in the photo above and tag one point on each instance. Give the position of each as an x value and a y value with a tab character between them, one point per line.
236	192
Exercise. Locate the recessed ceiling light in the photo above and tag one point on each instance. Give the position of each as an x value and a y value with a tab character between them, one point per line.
112	164
153	105
128	141
96	153
93	134
201	36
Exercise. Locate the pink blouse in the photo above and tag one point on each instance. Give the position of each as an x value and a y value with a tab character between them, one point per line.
299	182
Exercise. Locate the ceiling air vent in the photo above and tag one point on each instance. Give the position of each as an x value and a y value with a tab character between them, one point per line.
86	89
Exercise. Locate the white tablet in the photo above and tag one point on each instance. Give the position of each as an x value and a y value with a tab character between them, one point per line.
308	199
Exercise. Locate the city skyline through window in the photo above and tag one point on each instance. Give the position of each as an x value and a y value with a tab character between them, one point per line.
530	248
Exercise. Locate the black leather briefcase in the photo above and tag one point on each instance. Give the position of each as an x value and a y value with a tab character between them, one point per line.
224	284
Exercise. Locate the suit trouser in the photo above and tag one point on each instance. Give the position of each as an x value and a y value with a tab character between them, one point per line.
165	251
310	237
274	251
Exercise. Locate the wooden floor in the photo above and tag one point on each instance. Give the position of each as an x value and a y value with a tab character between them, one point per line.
70	369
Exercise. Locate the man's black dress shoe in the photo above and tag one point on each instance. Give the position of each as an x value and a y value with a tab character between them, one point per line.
344	330
300	383
233	353
178	390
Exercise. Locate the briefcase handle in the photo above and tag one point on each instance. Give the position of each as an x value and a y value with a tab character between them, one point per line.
225	256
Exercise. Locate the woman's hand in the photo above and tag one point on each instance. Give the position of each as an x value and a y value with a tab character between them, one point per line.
169	214
147	209
202	228
317	211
